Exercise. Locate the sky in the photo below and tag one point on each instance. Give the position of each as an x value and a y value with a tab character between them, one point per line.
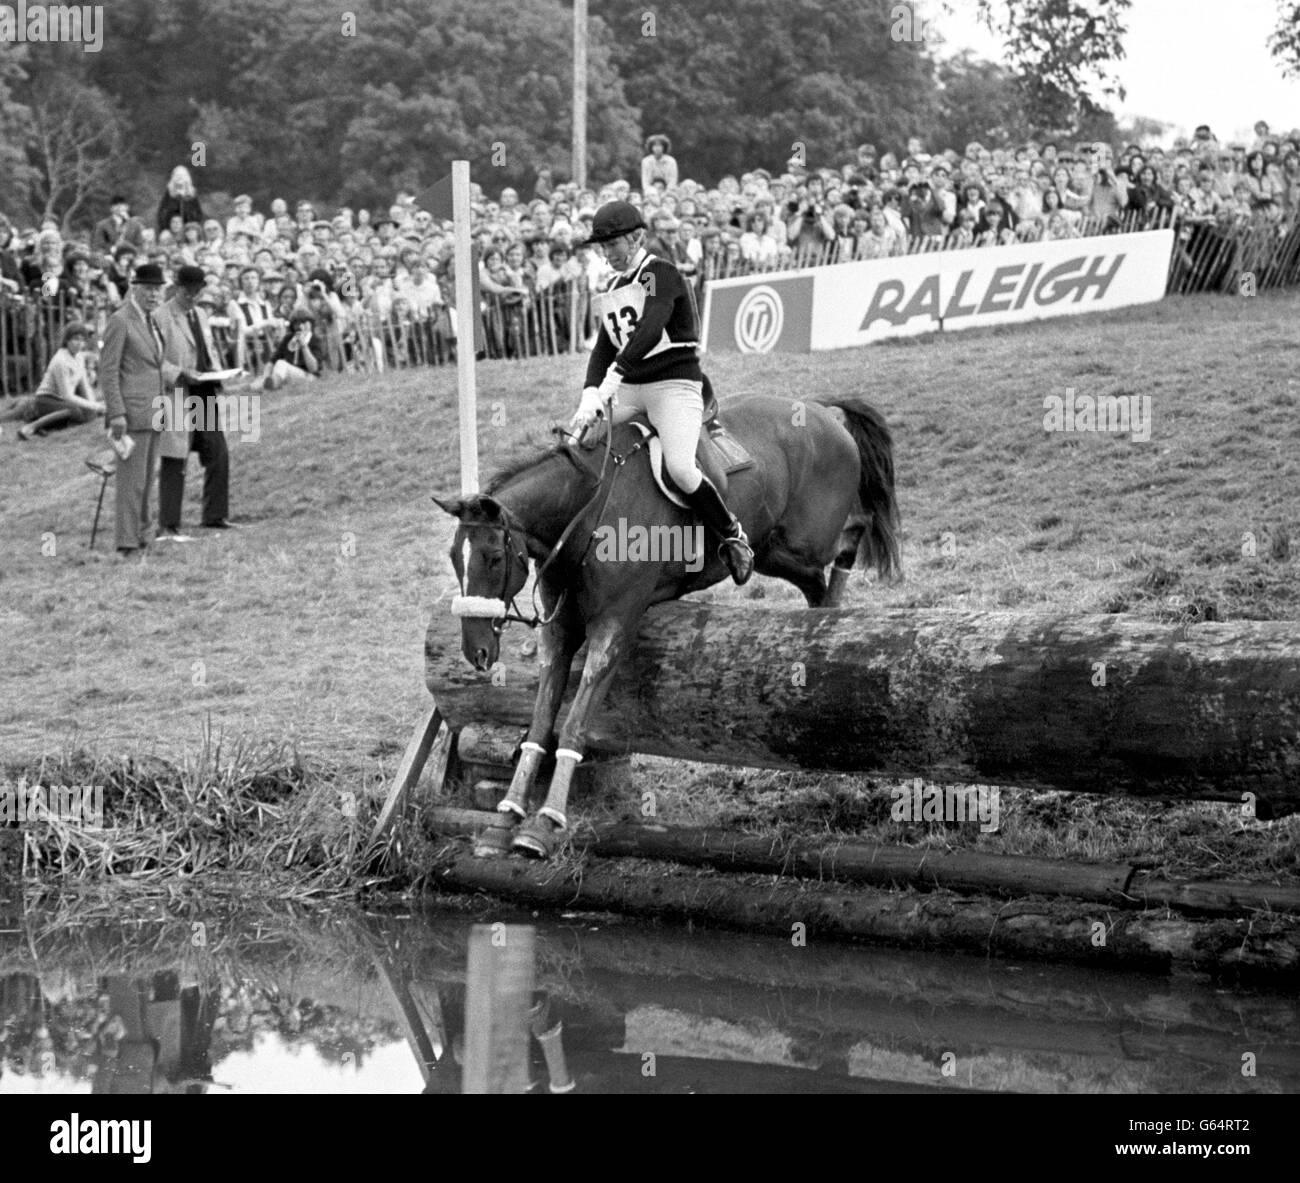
1186	62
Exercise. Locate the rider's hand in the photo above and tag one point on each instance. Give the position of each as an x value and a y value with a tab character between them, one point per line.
609	385
590	408
117	427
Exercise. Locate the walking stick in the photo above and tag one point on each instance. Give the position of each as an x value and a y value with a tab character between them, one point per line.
105	470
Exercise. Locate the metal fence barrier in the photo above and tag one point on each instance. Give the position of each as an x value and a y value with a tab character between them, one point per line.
1208	256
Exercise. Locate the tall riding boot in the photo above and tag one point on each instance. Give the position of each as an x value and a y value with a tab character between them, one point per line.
735	550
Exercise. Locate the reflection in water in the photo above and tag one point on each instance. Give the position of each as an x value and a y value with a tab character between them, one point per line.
278	1001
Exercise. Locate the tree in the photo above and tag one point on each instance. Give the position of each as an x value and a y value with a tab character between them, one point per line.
1060	52
978	100
74	139
737	83
16	175
1284	42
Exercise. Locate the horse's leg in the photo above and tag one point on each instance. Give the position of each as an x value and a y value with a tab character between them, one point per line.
608	640
846	554
559	641
807	575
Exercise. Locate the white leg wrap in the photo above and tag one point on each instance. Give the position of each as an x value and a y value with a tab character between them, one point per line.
568	754
507	806
529	746
555	815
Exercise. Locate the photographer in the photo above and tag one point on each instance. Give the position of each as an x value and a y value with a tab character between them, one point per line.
299	356
1108	199
808	222
924	212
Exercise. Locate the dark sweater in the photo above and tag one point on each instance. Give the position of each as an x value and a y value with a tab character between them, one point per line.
669	315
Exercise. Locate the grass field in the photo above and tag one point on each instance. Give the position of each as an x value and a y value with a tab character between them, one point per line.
305	629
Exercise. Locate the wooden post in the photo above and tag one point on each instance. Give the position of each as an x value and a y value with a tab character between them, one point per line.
430	730
466	314
498	997
580	93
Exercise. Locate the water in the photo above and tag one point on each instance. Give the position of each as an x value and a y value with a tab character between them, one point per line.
271	1000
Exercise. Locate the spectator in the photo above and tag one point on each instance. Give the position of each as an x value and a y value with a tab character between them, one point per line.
667	244
925	212
134	375
300	356
881	240
244	220
64	397
658	165
962	234
179	200
1107	201
995	229
1148	197
118	228
254	325
11	277
758	247
188	347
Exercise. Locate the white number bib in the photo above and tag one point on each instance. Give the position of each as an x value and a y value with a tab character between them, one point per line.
620	311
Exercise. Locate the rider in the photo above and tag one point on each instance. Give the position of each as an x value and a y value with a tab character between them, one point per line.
647	353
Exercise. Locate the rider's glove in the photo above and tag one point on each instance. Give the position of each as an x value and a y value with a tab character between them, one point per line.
609	385
591	406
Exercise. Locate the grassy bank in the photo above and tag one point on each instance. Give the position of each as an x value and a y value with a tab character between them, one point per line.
300	637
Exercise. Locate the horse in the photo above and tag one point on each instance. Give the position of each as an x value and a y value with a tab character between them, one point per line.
820	492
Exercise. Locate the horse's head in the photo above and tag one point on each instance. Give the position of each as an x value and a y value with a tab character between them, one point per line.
491	562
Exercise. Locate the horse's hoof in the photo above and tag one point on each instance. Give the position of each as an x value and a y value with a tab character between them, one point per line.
538	838
494	842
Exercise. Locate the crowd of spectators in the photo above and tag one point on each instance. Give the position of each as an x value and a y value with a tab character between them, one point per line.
296	294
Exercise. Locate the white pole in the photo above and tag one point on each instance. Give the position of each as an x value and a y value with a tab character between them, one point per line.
466	315
580	93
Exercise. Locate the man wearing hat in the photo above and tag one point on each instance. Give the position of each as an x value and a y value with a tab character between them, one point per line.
647	354
118	228
133	375
188	346
657	165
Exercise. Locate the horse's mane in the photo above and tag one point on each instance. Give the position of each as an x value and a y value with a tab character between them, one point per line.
528	461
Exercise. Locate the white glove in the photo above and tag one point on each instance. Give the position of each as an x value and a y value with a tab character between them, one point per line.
609	385
590	407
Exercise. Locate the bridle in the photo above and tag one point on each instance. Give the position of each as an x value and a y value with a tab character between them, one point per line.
503	610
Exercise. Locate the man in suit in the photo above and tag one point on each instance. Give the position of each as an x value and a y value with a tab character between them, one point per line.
117	228
188	346
133	376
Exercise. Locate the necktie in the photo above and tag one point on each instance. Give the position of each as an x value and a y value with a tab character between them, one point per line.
157	334
200	346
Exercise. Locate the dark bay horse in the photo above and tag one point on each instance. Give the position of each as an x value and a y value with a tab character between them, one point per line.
821	491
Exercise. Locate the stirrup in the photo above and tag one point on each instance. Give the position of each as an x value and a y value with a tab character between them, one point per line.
741	565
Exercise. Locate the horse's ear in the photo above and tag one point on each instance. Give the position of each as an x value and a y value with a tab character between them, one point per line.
490	509
452	505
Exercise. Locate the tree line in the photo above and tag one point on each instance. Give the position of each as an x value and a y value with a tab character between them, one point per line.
298	98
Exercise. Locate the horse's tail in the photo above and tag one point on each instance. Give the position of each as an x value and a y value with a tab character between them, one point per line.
879	547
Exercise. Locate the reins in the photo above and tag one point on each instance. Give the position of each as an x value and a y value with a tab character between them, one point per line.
512	613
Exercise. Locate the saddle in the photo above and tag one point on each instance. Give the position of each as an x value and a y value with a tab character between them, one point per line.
719	454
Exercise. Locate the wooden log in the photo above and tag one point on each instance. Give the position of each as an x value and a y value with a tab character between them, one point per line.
1264	948
964	871
1209	711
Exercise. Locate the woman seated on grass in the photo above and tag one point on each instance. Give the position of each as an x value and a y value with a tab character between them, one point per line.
300	356
64	397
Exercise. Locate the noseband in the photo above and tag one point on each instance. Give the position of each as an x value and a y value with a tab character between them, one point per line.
502	611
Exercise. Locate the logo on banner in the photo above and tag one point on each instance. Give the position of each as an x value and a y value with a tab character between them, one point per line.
759	320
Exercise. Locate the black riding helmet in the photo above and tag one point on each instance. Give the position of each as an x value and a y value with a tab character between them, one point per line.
613	219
